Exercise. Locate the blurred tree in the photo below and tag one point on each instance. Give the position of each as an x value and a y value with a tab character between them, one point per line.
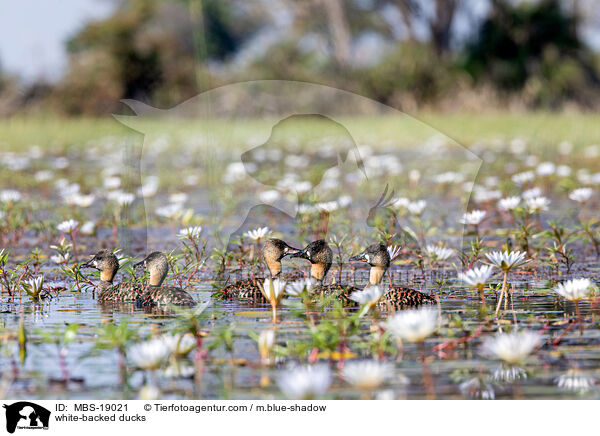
532	45
438	14
146	50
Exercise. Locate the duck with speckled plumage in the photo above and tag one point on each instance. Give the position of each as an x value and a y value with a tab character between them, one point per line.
320	256
155	294
273	251
399	297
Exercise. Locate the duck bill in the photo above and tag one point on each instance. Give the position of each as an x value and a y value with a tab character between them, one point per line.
360	257
300	254
291	251
88	264
139	264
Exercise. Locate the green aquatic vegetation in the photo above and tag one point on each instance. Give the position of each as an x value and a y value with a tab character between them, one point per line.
341	252
221	257
80	282
523	235
194	249
561	238
473	254
12	279
117	337
591	234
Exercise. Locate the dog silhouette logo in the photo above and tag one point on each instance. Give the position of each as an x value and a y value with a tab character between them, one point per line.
26	415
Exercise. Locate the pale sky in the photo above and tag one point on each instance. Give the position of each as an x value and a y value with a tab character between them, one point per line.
33	33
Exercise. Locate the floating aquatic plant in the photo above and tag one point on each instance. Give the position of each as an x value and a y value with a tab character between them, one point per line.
576	290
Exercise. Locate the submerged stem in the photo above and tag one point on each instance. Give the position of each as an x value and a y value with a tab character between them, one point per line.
502	291
578	317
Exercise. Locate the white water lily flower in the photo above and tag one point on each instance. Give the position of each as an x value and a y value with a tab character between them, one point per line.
190	232
10	196
416	207
575	289
43	175
401	203
509	203
88	228
36	284
80	200
150	187
178	197
150	354
272	289
581	195
112	182
505	260
179	345
531	193
60	258
413	325
269	196
257	234
439	253
537	204
367	374
546	168
512	348
328	206
305	382
563	171
369	296
120	197
67	226
296	288
523	177
393	251
575	381
170	210
477	276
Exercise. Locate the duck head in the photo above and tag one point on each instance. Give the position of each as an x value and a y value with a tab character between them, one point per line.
378	258
319	254
157	265
106	262
273	251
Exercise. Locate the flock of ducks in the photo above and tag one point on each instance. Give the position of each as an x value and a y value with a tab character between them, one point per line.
318	253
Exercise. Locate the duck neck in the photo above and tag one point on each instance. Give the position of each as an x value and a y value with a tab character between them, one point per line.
318	271
274	267
107	275
376	274
156	278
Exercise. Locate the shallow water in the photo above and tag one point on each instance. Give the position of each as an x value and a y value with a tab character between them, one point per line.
460	372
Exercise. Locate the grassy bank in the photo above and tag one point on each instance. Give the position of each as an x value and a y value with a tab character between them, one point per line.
540	128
